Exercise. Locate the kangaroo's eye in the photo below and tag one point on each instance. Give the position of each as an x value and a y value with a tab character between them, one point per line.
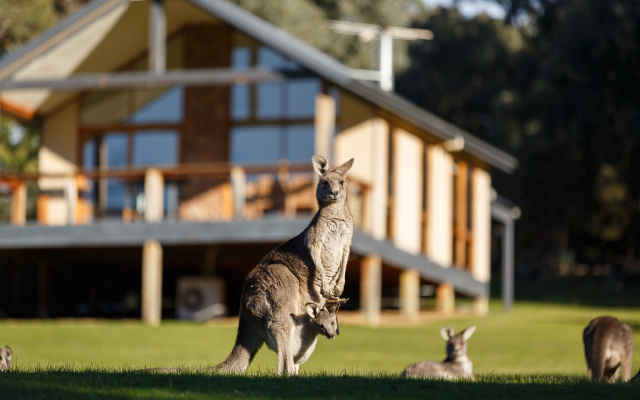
342	183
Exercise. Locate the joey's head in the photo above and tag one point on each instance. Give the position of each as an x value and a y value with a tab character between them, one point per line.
323	321
332	185
6	358
456	342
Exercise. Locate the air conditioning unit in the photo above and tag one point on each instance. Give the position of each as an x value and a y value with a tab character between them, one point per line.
200	298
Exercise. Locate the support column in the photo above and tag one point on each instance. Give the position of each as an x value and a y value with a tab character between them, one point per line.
371	288
154	195
410	293
152	282
445	299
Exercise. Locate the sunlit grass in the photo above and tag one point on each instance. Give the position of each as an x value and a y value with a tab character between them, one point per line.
536	348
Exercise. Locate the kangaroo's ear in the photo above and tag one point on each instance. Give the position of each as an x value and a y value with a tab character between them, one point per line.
466	334
313	310
446	332
345	168
7	353
320	164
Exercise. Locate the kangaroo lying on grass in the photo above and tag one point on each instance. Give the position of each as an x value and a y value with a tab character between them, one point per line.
6	358
310	268
608	347
456	365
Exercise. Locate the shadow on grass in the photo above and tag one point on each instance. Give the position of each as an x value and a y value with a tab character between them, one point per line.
96	384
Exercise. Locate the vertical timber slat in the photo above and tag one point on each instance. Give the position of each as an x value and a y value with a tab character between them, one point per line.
152	283
19	204
371	288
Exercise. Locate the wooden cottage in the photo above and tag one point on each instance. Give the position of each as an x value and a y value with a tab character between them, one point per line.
176	146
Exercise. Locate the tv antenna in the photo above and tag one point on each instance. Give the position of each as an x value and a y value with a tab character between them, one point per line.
366	33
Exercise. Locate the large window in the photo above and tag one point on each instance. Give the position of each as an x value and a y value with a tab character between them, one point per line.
272	121
126	130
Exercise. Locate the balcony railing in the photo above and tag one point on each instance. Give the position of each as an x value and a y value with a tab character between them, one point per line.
188	192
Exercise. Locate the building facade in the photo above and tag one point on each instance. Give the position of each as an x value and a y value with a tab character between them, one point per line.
176	147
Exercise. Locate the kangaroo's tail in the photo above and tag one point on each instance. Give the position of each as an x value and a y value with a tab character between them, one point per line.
248	342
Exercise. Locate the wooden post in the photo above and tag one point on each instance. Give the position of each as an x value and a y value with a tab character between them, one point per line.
445	299
325	125
19	204
239	188
154	195
371	288
410	293
152	282
71	196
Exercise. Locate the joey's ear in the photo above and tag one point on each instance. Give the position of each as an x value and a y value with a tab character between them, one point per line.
345	168
466	334
446	332
313	310
320	164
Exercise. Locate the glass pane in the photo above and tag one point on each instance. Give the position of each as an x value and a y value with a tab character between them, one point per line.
159	106
301	96
89	157
300	143
116	145
269	100
104	107
116	194
240	102
155	148
241	57
269	59
254	144
116	156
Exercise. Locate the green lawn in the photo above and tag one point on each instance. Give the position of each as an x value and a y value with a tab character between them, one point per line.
536	346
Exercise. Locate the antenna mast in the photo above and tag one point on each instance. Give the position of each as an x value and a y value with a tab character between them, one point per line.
385	34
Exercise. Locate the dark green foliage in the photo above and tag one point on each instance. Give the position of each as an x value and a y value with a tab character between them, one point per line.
562	93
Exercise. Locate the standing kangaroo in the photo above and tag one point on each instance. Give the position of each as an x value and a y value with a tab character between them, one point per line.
6	358
309	268
456	365
608	346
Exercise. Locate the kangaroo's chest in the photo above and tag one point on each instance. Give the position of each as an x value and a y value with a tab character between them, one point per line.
334	240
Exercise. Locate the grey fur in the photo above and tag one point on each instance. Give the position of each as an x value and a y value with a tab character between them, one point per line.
6	358
608	348
457	365
309	268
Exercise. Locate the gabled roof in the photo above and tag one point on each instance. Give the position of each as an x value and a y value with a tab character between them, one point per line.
291	47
